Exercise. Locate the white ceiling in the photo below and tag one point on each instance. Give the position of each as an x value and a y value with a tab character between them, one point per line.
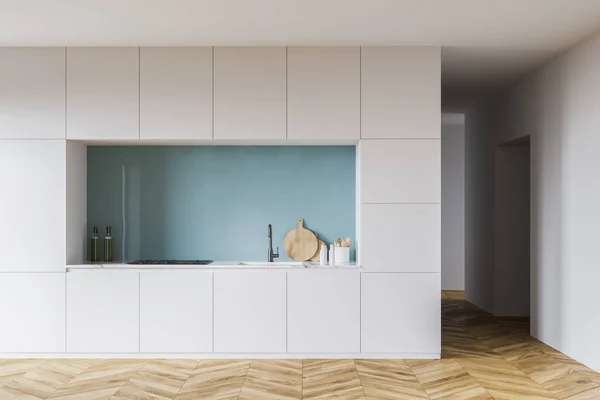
486	42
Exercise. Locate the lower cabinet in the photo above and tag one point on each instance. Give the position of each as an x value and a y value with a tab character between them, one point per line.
32	306
250	312
103	312
228	312
401	313
176	311
323	312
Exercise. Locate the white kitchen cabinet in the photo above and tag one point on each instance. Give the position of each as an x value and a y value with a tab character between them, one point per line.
323	312
32	205
401	313
250	312
401	237
401	92
323	93
33	313
32	93
176	311
103	311
103	93
400	171
250	93
176	93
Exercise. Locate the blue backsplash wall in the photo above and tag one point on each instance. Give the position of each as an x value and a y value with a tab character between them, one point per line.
215	202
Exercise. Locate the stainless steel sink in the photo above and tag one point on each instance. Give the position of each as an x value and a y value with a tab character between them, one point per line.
283	264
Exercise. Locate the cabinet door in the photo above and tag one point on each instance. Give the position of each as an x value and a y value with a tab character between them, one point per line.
323	312
32	93
176	93
401	237
250	312
250	98
103	312
176	312
33	313
103	93
401	313
32	205
401	92
400	171
323	93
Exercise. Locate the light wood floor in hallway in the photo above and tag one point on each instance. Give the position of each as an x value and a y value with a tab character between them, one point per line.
483	358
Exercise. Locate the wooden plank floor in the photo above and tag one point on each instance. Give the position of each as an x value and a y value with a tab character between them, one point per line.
483	358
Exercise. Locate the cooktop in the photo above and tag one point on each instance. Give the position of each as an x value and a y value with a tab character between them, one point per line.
170	262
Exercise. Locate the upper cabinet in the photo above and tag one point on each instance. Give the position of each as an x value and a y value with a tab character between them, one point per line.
401	92
323	93
250	93
176	93
103	93
32	93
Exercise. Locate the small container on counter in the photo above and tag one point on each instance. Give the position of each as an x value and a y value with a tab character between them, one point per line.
323	256
342	255
331	254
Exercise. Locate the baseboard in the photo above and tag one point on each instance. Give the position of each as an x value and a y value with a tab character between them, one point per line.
216	356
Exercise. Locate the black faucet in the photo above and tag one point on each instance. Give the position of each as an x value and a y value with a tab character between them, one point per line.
272	255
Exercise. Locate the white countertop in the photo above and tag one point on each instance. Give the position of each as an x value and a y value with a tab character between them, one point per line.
217	266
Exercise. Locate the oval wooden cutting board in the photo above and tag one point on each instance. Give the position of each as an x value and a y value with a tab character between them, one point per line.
300	244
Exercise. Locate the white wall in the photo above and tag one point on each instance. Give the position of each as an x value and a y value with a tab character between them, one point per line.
453	205
76	202
479	209
558	106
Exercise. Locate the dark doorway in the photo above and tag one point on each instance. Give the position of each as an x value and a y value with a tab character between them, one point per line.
512	224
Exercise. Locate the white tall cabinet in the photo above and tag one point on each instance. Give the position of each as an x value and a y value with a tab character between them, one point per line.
176	93
33	205
103	93
399	194
32	167
32	93
250	93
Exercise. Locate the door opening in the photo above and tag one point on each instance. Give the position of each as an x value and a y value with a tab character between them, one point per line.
512	225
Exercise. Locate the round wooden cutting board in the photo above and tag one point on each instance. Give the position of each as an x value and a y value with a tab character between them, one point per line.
300	244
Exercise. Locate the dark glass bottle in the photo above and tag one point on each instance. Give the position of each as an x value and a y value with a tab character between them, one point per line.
108	244
95	246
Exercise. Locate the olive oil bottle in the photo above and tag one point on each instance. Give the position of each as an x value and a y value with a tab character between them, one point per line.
108	244
95	245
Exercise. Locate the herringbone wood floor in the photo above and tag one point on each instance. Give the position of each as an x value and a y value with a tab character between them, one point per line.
483	358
